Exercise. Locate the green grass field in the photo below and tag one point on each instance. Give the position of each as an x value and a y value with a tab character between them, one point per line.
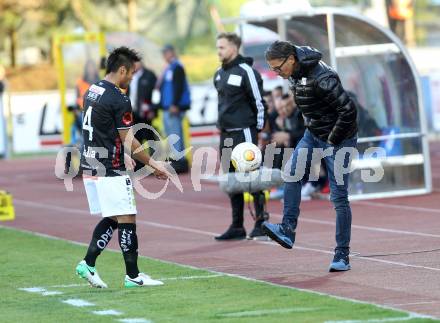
189	295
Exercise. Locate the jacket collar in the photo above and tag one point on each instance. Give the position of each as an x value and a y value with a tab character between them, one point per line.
237	61
307	58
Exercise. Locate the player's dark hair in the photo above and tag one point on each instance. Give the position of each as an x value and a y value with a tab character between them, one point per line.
231	37
121	56
279	50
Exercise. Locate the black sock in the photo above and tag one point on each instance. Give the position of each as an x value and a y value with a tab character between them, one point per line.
101	236
129	246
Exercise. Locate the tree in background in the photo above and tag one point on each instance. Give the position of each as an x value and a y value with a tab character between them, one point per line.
13	16
186	24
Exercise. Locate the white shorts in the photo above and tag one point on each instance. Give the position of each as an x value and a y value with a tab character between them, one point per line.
110	195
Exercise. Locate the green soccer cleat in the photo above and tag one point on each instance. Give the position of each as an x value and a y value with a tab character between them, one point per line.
90	274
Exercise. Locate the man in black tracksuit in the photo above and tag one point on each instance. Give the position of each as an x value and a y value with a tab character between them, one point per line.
241	115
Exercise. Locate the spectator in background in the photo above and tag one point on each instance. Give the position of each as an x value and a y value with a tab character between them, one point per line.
175	99
90	76
398	12
289	125
140	92
277	96
267	96
277	93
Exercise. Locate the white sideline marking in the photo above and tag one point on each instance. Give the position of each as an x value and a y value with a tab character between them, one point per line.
274	311
69	285
82	303
173	227
33	289
378	204
107	312
164	278
415	303
389	319
40	290
400	207
50	293
191	277
398	263
363	258
77	302
412	233
50	207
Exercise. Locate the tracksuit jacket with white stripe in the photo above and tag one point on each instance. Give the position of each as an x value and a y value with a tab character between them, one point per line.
240	95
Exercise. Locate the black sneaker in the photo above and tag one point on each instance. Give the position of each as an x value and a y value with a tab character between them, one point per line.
233	234
280	233
341	262
257	232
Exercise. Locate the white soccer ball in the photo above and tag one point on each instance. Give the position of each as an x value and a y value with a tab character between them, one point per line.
246	157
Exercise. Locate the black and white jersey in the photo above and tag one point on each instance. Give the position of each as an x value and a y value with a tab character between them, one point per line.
106	110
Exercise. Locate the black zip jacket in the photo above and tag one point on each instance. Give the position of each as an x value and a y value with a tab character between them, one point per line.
240	101
328	110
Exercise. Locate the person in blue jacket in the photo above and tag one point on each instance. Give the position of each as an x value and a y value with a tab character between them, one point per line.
175	99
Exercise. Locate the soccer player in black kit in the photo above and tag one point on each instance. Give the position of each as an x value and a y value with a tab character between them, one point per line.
107	121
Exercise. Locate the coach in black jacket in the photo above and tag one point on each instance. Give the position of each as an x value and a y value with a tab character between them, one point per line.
241	114
331	126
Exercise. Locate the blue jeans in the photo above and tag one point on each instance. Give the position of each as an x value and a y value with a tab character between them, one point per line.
173	126
338	180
